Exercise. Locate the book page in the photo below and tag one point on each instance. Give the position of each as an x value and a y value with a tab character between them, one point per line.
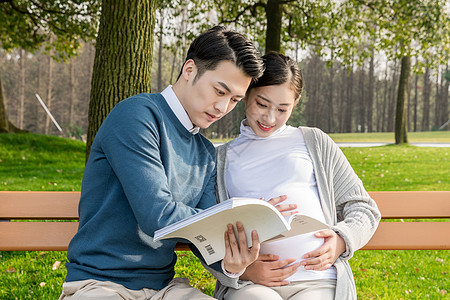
207	234
301	224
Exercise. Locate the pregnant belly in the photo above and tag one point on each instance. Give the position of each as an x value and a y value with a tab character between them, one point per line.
294	247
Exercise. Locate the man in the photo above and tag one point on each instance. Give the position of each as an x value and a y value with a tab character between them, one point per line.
148	168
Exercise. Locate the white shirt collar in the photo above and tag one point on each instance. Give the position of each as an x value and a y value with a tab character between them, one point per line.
179	110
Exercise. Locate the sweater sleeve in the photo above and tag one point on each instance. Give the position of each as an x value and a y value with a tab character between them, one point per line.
357	214
130	142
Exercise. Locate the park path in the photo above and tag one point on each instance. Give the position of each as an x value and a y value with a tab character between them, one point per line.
382	144
372	144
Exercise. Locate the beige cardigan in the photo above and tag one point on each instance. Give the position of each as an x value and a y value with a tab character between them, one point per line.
346	205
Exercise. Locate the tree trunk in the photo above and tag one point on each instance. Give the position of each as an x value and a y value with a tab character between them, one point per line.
160	49
426	100
20	113
330	100
123	57
5	124
385	100
349	104
437	102
371	92
377	106
362	102
401	113
3	117
408	123
172	69
343	89
38	107
391	100
444	101
416	82
49	93
274	15
72	94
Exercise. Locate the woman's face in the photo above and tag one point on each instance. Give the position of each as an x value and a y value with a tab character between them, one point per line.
269	107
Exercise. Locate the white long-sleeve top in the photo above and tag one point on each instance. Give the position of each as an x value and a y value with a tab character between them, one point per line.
346	205
276	165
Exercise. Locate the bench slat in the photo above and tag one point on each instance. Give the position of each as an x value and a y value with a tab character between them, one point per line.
42	236
413	204
389	236
64	205
29	236
410	236
39	205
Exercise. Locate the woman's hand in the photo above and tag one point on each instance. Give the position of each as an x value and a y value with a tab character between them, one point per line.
285	209
269	271
237	254
324	257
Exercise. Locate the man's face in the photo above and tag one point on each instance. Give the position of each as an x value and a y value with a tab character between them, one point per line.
214	94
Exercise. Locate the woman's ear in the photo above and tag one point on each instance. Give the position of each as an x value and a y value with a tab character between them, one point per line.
297	100
189	69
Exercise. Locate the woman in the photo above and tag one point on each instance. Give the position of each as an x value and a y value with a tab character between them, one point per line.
269	159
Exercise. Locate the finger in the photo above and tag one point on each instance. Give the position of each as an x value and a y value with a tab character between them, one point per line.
285	207
280	263
232	239
322	267
287	214
325	233
282	274
243	245
276	200
255	245
319	266
317	262
318	252
228	250
268	257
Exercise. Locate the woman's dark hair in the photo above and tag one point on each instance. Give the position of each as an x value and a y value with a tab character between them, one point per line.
280	69
219	44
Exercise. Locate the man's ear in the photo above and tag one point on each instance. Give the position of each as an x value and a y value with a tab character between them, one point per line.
189	69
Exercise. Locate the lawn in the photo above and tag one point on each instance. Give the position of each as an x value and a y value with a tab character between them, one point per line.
389	137
385	137
37	162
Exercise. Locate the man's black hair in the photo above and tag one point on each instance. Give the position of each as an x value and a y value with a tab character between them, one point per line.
220	44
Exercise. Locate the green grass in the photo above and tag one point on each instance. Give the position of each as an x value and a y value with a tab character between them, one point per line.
36	162
389	137
382	137
401	168
40	163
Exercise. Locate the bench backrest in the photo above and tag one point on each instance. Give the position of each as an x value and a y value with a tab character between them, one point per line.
54	215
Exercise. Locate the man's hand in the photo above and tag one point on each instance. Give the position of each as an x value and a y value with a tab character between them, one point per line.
237	254
324	257
284	209
269	271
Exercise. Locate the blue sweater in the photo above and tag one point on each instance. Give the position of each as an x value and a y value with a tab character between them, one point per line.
145	171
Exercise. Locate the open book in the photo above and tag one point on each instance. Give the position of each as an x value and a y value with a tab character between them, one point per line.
206	229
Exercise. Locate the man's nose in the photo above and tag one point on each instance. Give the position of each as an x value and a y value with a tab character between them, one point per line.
222	105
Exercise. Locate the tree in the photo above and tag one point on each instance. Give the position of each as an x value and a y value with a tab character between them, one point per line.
274	22
31	24
123	57
406	29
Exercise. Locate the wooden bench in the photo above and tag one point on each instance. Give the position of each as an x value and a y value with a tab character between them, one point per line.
53	214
